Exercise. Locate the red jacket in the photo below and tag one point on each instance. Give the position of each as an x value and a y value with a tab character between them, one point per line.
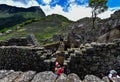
60	71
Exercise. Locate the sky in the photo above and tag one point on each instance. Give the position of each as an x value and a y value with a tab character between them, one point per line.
72	9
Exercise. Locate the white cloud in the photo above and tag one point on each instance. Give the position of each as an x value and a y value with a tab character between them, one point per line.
46	1
71	1
106	14
33	3
75	13
19	4
6	2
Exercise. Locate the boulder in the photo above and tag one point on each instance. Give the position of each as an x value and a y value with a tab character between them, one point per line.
92	78
4	73
46	76
25	77
62	78
115	79
10	77
73	78
105	79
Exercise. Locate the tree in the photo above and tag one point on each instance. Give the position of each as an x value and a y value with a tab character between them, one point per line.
98	7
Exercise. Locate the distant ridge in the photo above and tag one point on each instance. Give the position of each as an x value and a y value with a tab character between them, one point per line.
11	15
13	9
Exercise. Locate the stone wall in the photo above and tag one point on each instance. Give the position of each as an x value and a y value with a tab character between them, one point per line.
30	40
94	58
22	58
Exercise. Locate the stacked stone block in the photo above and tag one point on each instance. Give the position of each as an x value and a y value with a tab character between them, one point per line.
21	58
96	58
23	41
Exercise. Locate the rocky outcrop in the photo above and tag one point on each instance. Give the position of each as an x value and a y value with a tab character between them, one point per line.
83	32
116	14
109	36
109	29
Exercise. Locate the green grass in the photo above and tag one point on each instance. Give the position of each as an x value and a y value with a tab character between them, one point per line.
20	30
43	28
13	34
2	15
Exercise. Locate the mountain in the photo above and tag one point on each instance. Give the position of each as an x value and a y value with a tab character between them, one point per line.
43	29
17	22
47	27
11	15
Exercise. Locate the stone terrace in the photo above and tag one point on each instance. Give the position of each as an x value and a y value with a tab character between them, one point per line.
90	58
22	58
93	58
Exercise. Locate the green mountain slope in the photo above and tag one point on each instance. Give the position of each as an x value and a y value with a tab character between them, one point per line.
11	16
43	29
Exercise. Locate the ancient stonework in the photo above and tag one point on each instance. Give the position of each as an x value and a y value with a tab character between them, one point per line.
94	58
91	58
30	40
22	58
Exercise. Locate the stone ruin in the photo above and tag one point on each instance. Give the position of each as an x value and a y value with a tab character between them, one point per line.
21	58
90	58
93	59
30	40
22	54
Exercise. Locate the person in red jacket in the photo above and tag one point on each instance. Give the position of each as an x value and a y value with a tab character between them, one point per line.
59	71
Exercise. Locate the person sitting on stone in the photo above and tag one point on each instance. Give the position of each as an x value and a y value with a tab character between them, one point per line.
113	74
56	71
59	70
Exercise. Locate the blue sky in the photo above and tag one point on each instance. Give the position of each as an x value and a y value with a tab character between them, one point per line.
113	3
72	9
